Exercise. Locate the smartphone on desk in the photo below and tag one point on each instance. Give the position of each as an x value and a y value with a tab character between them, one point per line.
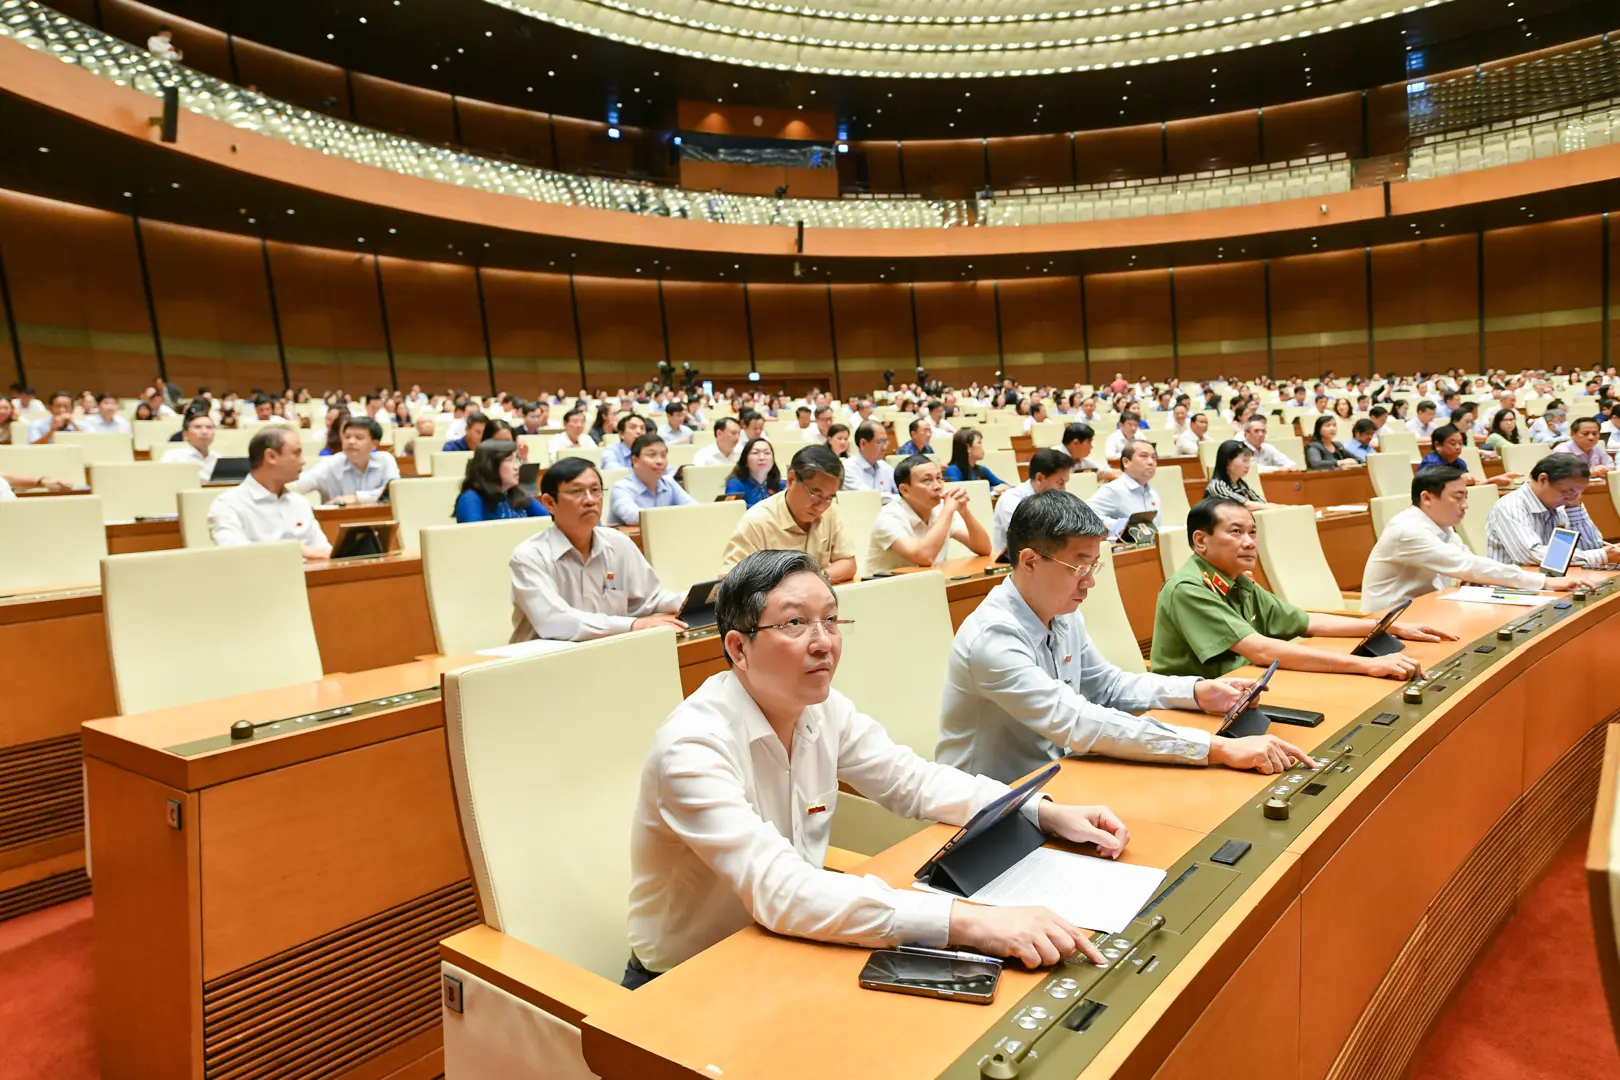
936	974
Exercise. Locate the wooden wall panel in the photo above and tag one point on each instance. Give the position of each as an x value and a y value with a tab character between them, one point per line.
531	331
1544	295
331	324
1042	330
757	121
1386	119
434	325
77	296
792	330
944	168
410	110
1221	320
622	331
1325	125
708	326
1426	305
956	330
205	47
1118	153
873	324
882	165
295	79
213	309
1031	161
584	146
1212	142
1319	314
502	131
1128	319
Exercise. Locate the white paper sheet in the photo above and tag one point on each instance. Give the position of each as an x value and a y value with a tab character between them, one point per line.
1093	893
527	648
1484	594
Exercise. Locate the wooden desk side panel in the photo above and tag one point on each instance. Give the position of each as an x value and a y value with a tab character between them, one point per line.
372	623
1600	867
147	927
66	664
289	855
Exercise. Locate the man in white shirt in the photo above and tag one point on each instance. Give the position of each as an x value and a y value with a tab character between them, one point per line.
457	427
1423	424
1420	551
43	430
865	469
198	447
942	424
1048	470
916	529
106	420
648	485
1026	685
536	414
360	474
1178	420
674	430
261	509
572	436
1117	500
1037	415
727	446
578	581
1078	440
817	432
1267	458
1197	432
1129	424
29	406
726	837
161	44
1521	523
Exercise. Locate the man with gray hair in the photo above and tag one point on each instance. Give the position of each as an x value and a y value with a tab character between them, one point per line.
262	508
727	835
1026	685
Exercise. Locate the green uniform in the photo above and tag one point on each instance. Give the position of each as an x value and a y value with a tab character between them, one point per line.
1201	614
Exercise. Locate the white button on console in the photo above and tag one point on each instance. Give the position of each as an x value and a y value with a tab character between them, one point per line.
1068	984
1058	992
1028	1023
1038	1013
1012	1046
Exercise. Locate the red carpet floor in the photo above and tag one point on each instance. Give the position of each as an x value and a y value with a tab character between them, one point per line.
1533	1008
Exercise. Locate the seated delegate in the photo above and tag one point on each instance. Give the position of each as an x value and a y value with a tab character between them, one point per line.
916	529
361	473
578	580
648	485
1116	501
756	477
490	490
1522	522
1228	479
803	517
1048	470
1212	618
724	836
866	469
1420	551
262	508
967	451
198	447
1026	685
1324	451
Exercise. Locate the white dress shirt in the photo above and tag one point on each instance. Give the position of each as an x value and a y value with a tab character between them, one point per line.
1518	528
190	454
812	434
731	831
560	441
5	490
95	425
457	429
860	476
1415	556
675	436
249	514
1004	511
336	475
1420	429
1121	497
1543	432
557	594
1267	458
711	455
1018	695
1187	443
898	521
1115	446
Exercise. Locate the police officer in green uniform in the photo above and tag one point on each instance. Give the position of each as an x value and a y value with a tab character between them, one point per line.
1212	618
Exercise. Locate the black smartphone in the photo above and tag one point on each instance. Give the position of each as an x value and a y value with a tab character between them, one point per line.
931	976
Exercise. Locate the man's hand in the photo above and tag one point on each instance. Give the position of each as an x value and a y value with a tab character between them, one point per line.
1034	936
647	622
1612	553
956	500
1421	632
1217	695
1394	666
1565	584
1085	825
1265	754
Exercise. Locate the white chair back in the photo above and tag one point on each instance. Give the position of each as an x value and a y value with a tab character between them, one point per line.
1391	474
592	454
469	583
141	489
1399	444
58	461
152	434
1174	550
859	509
1172	491
1384	507
684	544
1292	446
705	483
448	463
99	446
193	504
424	449
51	542
1292	557
420	503
1481	497
1521	457
1082	484
978	492
1106	622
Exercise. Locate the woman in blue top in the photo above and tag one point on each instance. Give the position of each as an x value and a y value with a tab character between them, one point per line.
756	477
490	492
967	450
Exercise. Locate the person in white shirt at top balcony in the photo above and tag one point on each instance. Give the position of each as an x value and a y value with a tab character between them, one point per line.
572	436
197	447
916	529
1132	493
1521	523
726	836
817	432
1129	424
1197	432
727	446
1267	458
261	509
675	430
1423	424
865	469
1048	470
579	581
161	44
648	485
1420	551
360	474
105	420
1585	442
44	429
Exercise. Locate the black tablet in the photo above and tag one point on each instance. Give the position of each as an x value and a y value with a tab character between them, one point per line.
991	815
1379	641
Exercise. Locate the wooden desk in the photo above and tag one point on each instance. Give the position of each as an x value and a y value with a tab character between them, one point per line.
1344	939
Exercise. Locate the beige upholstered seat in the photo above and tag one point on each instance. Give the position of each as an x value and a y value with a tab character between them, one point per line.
165	653
1614	494
1004	463
685	543
1399	444
1206	455
538	452
51	543
893	669
859	509
1291	555
1391	474
141	489
978	492
1290	445
59	462
1106	622
231	442
1521	457
448	463
592	454
99	446
1173	505
468	582
705	483
1473	462
193	505
1174	549
424	449
19	433
1481	497
1384	507
1082	485
546	805
682	454
422	502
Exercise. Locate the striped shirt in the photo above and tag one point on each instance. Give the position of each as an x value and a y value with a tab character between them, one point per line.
1519	526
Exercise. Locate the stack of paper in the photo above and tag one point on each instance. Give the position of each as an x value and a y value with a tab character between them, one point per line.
1092	893
1484	594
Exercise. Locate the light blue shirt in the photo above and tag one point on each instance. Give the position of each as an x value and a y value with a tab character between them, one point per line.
630	497
859	476
616	456
1118	499
1019	694
1355	449
39	428
336	475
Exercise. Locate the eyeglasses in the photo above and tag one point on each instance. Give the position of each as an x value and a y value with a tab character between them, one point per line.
1088	570
794	629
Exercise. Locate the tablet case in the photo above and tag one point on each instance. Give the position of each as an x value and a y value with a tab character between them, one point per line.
969	867
1384	644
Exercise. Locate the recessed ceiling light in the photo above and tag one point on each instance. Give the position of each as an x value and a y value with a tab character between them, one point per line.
391	232
44	149
362	18
290	210
175	185
360	239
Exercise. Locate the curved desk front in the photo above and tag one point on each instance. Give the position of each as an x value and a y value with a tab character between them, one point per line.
1325	952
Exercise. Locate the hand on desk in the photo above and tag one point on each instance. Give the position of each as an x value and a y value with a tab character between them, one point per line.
647	622
1420	632
1393	666
1265	754
1034	936
1085	825
1565	584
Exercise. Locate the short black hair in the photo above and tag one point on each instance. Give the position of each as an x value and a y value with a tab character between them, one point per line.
565	469
270	437
1048	520
624	421
373	428
1444	432
104	395
741	599
1362	426
1046	462
917	423
674	406
1559	467
1205	515
644	441
1434	479
1124	416
801	410
902	471
720	424
1376	411
567	416
815	460
1575	424
748	416
823	409
1079	431
866	432
1425	404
